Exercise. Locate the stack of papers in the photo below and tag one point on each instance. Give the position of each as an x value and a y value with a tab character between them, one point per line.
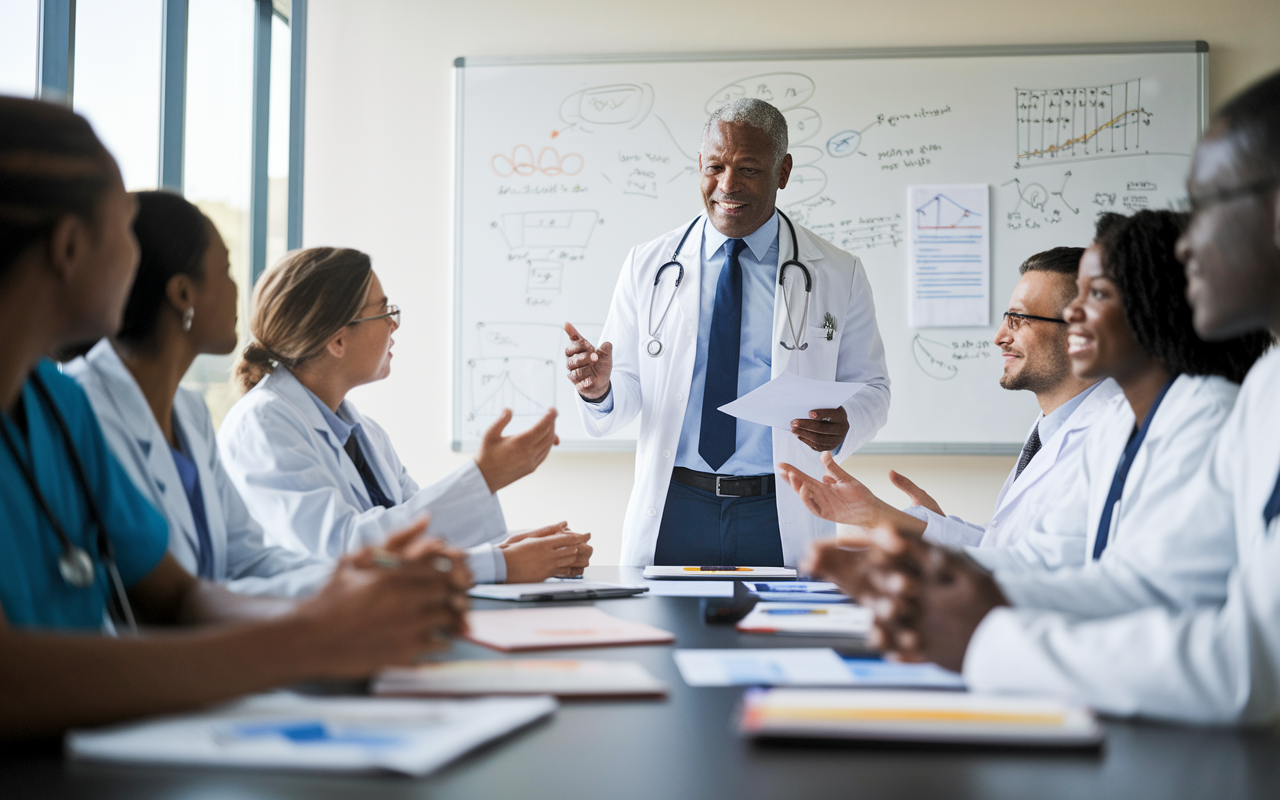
652	572
808	619
806	666
324	734
560	677
690	588
550	628
916	716
553	590
797	591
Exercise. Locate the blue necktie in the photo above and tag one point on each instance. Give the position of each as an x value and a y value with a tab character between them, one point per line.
719	436
1272	509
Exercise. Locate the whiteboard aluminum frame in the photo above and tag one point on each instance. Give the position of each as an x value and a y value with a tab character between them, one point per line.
1197	46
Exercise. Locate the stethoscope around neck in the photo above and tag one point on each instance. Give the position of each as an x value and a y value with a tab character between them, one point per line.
74	562
654	346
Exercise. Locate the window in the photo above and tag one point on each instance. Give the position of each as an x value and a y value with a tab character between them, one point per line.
116	83
200	96
19	47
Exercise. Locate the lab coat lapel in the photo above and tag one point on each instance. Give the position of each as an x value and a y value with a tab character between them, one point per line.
389	481
688	304
144	432
292	390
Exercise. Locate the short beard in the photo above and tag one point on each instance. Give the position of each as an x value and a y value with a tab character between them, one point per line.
1043	375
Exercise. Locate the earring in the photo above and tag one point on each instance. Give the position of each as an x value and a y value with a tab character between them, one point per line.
187	316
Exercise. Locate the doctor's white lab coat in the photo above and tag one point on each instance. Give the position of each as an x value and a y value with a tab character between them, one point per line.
1052	567
241	557
1022	503
300	484
1216	663
658	388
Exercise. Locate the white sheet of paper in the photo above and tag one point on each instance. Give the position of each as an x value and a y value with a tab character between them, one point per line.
949	256
690	588
789	397
798	666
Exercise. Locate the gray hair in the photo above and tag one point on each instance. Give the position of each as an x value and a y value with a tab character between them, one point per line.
759	115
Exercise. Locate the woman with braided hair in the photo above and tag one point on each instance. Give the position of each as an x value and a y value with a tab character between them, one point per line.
1094	554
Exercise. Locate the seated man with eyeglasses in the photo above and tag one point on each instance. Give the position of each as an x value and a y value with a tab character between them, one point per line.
1033	340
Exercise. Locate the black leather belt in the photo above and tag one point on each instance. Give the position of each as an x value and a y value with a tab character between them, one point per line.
725	485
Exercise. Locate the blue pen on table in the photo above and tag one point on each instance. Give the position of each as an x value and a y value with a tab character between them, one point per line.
793	611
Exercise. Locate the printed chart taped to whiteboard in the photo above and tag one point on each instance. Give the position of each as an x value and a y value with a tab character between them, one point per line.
566	163
949	256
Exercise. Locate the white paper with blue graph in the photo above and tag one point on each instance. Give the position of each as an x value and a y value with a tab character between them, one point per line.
949	256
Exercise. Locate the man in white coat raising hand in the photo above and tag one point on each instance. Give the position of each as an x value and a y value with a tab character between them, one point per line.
708	313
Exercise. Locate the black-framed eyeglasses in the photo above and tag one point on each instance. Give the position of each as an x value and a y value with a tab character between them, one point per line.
1014	320
1203	201
392	311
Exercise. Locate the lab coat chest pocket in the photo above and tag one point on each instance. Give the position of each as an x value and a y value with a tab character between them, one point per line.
819	359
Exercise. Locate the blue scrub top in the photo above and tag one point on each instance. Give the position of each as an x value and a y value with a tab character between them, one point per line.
32	590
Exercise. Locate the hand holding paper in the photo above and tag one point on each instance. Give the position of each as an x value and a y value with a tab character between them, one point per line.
809	408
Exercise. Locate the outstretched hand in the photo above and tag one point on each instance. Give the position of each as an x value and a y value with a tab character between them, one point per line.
917	496
503	460
838	497
589	366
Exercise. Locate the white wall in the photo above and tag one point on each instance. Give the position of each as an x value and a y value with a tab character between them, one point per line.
378	156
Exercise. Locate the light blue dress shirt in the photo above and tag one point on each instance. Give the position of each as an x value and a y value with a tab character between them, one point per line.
759	262
342	428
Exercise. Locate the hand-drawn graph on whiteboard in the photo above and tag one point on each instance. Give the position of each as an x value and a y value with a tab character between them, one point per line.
1082	122
516	369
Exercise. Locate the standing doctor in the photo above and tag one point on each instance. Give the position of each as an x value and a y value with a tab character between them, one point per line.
708	313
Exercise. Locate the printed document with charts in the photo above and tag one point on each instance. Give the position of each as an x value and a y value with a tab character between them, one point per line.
323	734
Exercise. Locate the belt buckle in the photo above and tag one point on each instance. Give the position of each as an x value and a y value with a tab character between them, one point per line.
718	487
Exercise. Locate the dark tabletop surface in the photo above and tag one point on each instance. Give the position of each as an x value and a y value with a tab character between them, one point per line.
685	746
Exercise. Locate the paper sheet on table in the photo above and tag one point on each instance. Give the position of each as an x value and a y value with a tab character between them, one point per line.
320	734
789	397
799	666
690	588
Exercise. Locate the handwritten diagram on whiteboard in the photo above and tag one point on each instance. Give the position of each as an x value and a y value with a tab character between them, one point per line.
941	173
949	257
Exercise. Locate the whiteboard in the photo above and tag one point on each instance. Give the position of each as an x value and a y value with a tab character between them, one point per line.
563	164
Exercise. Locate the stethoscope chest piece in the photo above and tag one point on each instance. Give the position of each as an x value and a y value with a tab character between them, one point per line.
76	567
654	348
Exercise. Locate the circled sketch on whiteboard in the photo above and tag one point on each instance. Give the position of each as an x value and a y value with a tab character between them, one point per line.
549	162
844	143
783	90
621	104
930	357
802	124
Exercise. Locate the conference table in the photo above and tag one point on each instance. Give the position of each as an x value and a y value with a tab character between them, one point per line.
686	746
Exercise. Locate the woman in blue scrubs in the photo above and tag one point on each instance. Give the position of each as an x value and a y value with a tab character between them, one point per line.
81	551
183	304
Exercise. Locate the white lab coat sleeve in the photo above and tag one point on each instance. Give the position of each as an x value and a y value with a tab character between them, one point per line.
253	566
947	531
622	329
1056	542
861	360
1207	665
294	496
487	564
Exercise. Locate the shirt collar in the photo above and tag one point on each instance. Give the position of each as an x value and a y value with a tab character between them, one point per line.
758	241
1053	421
341	428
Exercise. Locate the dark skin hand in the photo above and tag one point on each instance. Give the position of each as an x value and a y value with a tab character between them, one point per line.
927	600
824	430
